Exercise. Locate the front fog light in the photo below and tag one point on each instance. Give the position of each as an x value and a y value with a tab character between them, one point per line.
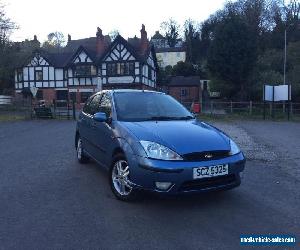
163	185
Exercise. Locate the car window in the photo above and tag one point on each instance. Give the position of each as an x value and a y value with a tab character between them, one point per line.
92	105
141	106
86	107
105	104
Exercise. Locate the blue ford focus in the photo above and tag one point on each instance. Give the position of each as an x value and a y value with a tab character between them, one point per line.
149	142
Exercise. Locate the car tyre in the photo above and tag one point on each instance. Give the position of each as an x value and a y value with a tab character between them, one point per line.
81	156
119	178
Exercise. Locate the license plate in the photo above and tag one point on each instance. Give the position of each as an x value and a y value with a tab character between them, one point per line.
211	171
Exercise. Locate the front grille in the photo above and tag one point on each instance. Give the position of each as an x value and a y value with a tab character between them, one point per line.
207	182
206	155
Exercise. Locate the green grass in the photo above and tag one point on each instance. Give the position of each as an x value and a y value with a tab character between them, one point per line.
6	118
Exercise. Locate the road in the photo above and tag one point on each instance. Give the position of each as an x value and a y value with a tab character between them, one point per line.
49	201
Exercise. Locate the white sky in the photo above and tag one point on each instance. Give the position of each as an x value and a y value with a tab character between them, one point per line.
81	18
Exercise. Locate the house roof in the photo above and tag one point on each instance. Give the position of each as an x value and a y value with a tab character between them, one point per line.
157	35
89	45
184	81
57	59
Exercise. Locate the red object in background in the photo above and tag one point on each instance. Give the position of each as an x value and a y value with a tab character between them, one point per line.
196	107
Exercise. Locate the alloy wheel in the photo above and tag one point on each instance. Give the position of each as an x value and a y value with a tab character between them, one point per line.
120	178
79	149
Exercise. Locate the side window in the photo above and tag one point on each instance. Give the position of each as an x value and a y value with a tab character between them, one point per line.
94	104
105	104
87	108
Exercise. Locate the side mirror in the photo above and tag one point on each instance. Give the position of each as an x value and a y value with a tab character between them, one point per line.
100	117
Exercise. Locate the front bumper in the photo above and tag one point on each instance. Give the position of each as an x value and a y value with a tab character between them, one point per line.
144	172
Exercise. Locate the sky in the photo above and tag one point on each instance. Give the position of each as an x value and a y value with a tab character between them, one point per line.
81	18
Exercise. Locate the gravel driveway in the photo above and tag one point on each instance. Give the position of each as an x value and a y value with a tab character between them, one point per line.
273	143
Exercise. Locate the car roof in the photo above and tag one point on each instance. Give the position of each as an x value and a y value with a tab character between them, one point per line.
129	91
112	91
134	90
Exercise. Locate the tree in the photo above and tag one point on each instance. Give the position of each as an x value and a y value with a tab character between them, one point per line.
6	51
285	17
113	34
6	27
184	69
171	30
192	41
232	54
55	41
164	74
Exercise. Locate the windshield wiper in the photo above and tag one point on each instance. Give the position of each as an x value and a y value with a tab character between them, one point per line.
189	117
169	118
160	118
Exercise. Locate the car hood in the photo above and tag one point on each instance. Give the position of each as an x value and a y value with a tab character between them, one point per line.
181	136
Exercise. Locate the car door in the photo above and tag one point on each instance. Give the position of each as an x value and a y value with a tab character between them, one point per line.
86	122
102	132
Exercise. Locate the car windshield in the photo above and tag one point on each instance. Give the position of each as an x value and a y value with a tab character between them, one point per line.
147	106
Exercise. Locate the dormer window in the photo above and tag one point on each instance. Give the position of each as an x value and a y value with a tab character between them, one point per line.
149	73
85	70
120	69
93	70
38	75
20	75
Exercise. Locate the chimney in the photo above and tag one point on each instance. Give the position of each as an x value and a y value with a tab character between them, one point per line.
35	38
100	46
69	38
99	33
144	39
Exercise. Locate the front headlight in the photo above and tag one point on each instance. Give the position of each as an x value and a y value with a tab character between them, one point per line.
234	149
157	151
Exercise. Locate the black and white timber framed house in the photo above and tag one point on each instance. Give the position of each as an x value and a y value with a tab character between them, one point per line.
88	65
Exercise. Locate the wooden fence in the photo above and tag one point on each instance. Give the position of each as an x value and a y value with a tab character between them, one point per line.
28	109
5	100
267	109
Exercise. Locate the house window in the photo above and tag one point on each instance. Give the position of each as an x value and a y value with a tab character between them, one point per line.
93	70
120	69
204	85
61	94
178	54
112	69
20	75
149	73
38	75
85	70
131	69
183	92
